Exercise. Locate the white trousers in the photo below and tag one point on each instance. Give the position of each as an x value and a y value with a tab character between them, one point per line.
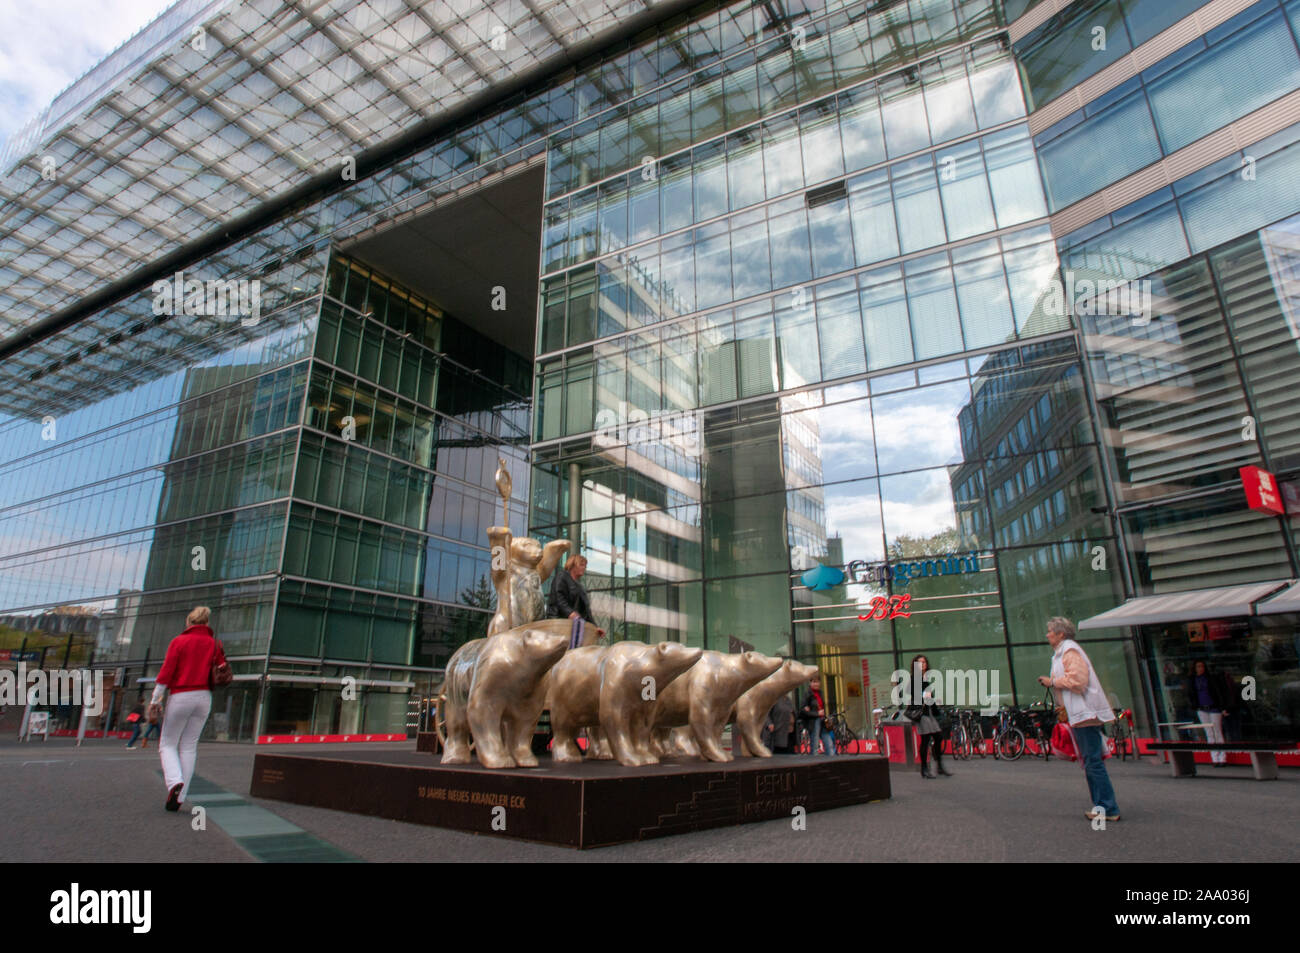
182	724
1214	733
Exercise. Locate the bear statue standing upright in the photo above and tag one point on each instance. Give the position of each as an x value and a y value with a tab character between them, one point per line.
519	567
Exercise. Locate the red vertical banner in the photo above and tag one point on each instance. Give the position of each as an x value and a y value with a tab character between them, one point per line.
1262	492
868	696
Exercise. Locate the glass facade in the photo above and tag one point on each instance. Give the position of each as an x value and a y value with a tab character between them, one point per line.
802	298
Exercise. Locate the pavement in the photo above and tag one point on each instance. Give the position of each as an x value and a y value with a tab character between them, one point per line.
103	803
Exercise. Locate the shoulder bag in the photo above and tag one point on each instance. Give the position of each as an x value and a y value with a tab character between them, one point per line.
221	673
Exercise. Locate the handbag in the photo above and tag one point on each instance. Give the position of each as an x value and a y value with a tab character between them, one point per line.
1063	742
1062	717
133	717
221	673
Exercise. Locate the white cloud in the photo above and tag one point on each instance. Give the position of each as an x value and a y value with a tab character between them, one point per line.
45	46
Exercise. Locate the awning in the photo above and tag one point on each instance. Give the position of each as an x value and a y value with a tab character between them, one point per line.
1288	600
1189	606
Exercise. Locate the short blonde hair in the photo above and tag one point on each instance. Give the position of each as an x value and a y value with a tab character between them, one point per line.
1062	625
199	615
573	561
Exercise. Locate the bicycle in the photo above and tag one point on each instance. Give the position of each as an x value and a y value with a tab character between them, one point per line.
1008	740
959	739
1039	722
1124	735
846	739
882	739
968	735
975	736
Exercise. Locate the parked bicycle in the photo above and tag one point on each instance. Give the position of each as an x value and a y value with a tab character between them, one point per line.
957	735
846	739
968	735
882	739
1038	721
1123	737
1008	740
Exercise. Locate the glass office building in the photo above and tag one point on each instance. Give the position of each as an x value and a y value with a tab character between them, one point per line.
980	304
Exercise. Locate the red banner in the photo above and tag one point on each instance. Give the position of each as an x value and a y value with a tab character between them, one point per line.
1262	492
322	739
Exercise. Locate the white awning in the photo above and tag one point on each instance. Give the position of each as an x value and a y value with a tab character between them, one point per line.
1288	600
1189	606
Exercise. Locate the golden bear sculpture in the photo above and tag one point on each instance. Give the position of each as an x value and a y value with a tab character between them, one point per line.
705	696
614	688
753	706
494	692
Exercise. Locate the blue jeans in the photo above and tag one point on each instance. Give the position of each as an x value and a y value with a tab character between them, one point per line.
1091	740
816	729
139	727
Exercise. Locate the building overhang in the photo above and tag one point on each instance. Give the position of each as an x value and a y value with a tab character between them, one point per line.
1191	606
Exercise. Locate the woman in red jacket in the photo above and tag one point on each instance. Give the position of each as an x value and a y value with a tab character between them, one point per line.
185	677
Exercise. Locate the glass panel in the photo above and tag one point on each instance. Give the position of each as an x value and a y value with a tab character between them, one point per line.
903	113
936	327
840	329
884	318
875	233
967	207
1231	79
1073	168
916	197
861	129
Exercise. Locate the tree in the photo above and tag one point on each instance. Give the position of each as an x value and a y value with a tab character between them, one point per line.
481	595
947	540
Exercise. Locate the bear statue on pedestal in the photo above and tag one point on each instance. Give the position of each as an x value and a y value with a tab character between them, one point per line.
704	696
613	687
519	569
753	706
494	691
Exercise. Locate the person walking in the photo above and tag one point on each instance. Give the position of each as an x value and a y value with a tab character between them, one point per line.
153	727
815	712
135	718
1078	690
925	715
568	598
1207	696
186	679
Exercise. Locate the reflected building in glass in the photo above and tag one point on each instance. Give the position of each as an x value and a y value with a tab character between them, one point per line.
737	289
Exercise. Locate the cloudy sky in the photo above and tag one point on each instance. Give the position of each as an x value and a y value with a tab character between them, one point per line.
46	44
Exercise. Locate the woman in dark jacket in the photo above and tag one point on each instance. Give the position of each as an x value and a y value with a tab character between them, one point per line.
926	718
568	598
1207	695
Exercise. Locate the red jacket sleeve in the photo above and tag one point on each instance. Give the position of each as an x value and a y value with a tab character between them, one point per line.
220	658
168	670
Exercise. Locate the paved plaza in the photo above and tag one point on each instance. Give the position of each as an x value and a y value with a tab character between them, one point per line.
102	802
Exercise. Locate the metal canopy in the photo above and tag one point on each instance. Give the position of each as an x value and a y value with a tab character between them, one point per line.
1288	600
1190	606
217	107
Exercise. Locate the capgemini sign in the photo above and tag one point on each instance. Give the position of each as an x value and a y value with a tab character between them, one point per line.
822	577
